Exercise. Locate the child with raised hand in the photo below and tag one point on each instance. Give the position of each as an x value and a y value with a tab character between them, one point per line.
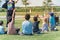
36	25
44	19
11	27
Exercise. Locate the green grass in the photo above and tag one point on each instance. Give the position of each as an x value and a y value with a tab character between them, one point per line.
2	13
46	36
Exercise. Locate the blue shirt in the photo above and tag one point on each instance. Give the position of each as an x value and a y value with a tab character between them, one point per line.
1	30
27	27
52	21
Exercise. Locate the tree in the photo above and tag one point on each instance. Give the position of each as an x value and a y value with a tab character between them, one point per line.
50	4
47	4
25	2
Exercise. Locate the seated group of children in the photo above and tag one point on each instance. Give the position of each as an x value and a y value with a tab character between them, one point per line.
29	28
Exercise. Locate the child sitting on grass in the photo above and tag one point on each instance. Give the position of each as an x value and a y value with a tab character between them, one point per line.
52	22
36	25
27	26
44	23
11	27
1	28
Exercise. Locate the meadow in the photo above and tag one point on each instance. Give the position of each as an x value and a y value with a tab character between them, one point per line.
51	35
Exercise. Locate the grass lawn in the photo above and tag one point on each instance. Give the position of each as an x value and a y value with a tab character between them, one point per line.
46	36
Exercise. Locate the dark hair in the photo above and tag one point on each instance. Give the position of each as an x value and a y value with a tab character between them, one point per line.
27	16
35	19
9	19
1	22
51	14
45	20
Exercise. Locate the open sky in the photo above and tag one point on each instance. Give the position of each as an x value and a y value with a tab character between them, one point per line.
36	3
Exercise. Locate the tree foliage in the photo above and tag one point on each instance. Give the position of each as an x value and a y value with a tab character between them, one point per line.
25	2
46	4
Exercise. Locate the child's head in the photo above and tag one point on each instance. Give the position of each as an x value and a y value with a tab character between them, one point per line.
1	22
45	20
35	18
27	16
51	14
37	15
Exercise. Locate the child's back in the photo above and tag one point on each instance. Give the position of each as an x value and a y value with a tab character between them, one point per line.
11	28
45	24
36	25
27	25
52	21
1	27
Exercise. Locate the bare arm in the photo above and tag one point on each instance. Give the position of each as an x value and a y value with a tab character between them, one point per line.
13	15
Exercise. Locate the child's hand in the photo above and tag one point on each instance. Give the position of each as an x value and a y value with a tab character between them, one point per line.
41	17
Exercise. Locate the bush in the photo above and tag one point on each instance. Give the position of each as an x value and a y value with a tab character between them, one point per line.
34	9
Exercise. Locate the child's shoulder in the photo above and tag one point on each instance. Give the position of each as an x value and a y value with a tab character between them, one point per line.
1	26
37	22
26	21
